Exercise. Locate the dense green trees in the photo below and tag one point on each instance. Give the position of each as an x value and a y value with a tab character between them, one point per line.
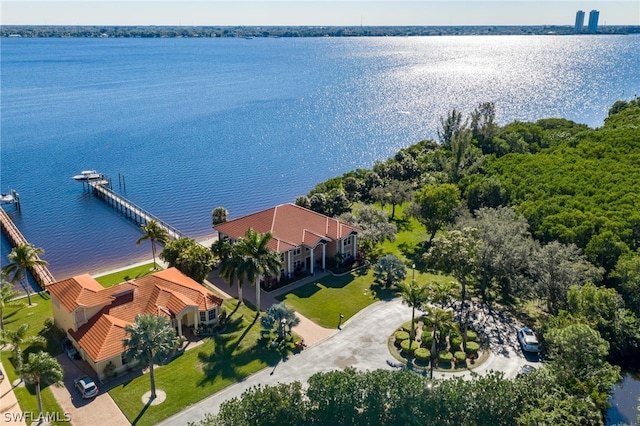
384	397
434	206
190	257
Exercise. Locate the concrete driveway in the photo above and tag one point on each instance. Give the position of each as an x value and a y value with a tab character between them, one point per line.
362	344
98	410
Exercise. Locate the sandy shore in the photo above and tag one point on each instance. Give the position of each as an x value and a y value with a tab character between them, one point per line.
143	260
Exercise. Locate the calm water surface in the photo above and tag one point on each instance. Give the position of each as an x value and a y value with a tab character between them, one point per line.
193	124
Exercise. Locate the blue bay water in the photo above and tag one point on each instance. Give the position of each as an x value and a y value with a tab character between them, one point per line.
193	124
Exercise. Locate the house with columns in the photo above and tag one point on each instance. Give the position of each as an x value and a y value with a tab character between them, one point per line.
94	317
305	239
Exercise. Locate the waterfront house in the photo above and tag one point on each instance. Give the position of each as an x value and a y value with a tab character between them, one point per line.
94	317
305	239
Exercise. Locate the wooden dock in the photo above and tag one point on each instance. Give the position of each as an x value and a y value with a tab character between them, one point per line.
130	209
40	273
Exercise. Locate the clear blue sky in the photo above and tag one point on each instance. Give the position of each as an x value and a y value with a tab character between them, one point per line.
313	12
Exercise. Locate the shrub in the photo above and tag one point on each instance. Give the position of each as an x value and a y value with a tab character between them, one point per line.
409	349
422	354
460	357
401	335
455	342
445	357
472	348
407	327
472	336
427	339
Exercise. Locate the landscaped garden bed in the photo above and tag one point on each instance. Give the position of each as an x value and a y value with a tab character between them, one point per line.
450	354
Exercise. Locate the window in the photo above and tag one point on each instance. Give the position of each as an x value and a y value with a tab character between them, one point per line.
203	316
212	314
348	241
296	251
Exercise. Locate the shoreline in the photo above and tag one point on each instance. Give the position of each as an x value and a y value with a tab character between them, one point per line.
142	260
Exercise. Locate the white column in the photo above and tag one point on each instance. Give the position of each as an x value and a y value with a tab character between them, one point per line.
289	263
324	252
342	245
354	241
179	326
312	260
196	321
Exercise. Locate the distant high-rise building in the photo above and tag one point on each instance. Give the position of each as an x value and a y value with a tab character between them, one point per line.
593	21
579	21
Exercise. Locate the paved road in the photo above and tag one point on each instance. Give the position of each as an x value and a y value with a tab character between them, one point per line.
362	344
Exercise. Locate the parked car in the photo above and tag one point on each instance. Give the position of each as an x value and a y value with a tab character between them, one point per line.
72	352
528	340
86	386
524	370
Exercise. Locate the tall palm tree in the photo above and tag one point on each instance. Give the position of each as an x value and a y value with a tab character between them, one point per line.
153	232
7	294
23	256
221	249
150	338
19	337
258	259
230	269
440	322
42	367
414	296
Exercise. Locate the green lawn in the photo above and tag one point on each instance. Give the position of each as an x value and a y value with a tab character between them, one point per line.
128	274
219	362
16	314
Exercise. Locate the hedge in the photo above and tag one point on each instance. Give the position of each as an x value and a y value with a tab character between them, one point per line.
460	356
472	348
422	354
445	356
427	339
401	335
455	342
472	336
405	346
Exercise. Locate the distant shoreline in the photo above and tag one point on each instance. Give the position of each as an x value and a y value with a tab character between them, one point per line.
249	32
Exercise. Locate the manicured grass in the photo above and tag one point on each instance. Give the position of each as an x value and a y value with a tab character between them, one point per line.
411	234
26	395
16	314
19	312
128	274
219	362
324	300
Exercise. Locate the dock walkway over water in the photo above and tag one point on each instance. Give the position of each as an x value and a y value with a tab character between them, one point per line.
40	273
129	208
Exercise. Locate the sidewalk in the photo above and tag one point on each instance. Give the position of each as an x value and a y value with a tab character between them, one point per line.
8	402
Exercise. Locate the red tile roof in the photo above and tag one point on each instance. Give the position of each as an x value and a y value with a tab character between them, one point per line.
291	226
166	292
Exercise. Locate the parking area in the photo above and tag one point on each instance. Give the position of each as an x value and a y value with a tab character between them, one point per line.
84	411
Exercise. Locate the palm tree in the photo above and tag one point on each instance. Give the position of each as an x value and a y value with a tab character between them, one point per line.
23	256
440	322
7	294
414	296
221	249
153	232
229	269
219	215
258	259
150	338
42	367
19	337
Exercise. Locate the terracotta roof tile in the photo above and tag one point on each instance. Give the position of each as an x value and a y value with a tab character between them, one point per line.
291	226
166	292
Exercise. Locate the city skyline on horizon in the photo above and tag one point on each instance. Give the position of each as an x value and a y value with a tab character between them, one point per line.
312	12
